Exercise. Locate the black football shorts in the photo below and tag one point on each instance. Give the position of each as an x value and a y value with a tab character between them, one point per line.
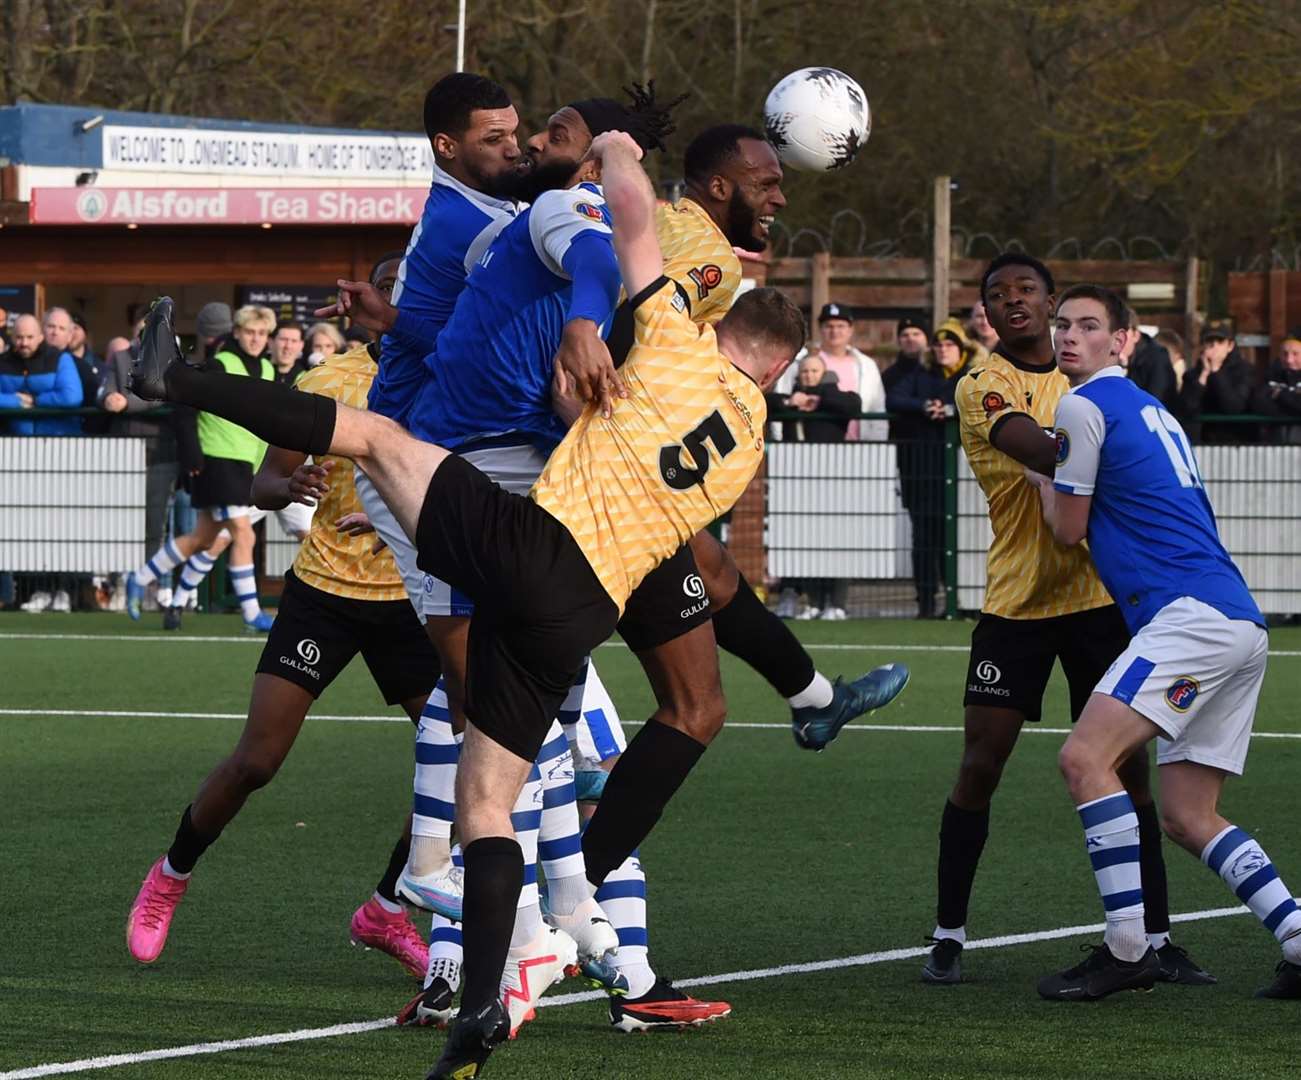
316	634
539	608
1012	659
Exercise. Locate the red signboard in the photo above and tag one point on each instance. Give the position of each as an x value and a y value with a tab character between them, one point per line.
226	206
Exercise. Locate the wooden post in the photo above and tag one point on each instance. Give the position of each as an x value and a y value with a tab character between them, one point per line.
819	285
941	253
1277	310
1191	288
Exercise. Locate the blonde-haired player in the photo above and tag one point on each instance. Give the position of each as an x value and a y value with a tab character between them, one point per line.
220	489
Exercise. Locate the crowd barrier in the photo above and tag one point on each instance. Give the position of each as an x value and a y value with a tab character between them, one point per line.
833	512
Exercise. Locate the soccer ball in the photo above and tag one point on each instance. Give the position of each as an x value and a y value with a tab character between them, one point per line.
817	118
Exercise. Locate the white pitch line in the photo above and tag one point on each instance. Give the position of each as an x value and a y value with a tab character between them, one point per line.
258	639
361	1027
128	714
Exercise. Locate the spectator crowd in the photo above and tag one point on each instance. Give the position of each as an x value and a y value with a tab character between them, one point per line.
51	376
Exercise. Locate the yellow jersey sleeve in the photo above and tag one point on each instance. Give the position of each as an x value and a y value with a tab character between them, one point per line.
983	398
699	258
329	561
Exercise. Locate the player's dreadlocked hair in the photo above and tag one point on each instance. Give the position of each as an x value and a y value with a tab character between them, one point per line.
648	121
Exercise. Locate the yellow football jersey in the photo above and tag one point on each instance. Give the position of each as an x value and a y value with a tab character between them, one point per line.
699	258
674	456
328	560
1029	574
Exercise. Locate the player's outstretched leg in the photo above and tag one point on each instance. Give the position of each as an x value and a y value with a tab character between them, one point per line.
684	676
745	627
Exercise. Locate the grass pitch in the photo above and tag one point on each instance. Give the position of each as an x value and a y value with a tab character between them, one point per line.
770	856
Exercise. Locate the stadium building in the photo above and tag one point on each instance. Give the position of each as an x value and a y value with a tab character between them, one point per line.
101	210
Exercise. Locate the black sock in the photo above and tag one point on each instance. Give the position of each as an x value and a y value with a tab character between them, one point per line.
1156	896
278	414
646	777
494	875
962	839
188	845
748	630
388	884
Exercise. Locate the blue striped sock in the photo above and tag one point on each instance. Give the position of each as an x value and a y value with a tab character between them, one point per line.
434	799
1242	863
526	820
622	897
445	953
245	582
571	710
1111	838
560	846
162	562
197	567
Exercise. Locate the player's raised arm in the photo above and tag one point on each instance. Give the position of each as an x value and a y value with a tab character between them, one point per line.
631	200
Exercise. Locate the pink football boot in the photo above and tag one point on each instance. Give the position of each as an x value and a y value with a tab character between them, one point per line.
396	935
151	914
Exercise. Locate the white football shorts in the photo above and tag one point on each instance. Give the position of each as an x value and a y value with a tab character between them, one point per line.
294	518
387	529
1196	675
598	735
513	467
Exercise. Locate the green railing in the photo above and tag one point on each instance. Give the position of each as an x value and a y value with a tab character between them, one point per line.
837	506
834	514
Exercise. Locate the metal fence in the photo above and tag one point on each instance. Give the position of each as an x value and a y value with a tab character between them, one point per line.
871	528
850	511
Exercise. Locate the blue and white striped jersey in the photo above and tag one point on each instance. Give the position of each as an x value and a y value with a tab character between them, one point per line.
1152	532
454	230
490	375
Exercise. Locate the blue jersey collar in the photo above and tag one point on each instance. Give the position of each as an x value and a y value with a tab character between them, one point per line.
447	180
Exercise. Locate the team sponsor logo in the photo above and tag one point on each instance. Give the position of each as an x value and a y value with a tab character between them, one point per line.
428	585
679	303
707	278
311	656
589	210
1181	693
1063	441
1246	864
694	588
993	402
988	677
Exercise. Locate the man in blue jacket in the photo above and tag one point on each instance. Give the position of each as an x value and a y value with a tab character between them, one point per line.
35	375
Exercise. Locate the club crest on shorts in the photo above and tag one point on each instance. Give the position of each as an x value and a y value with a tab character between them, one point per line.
1181	693
1063	441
